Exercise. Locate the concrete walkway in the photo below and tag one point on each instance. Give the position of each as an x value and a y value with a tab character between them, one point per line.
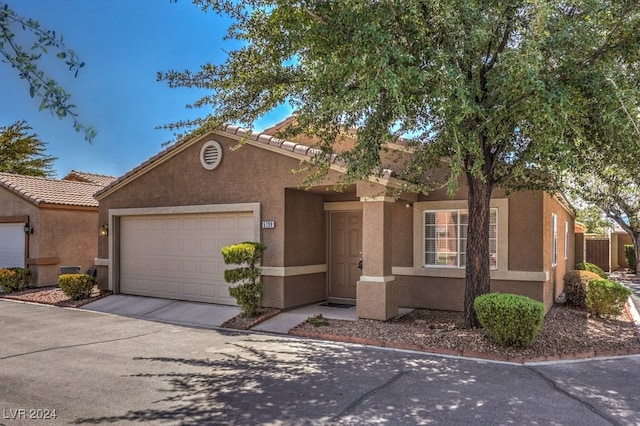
206	315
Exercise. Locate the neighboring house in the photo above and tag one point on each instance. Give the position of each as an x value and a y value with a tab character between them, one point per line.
49	223
604	250
169	217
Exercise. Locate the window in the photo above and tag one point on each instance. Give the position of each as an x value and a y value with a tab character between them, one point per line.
554	240
566	240
445	238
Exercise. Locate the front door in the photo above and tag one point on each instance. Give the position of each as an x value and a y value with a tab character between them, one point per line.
345	250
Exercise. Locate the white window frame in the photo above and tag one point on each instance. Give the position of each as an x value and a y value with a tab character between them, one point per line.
566	240
554	239
460	241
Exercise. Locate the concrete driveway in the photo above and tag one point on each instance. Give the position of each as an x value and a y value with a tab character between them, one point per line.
93	368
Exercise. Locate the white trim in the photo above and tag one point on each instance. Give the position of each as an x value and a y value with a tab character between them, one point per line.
502	204
216	145
376	279
378	198
290	271
554	239
541	276
100	262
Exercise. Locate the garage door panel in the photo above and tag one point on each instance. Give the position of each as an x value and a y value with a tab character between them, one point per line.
178	256
12	245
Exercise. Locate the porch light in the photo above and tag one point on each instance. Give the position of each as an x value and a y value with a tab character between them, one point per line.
28	229
104	230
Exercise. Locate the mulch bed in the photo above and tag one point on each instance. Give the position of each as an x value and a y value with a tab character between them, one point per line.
53	296
241	322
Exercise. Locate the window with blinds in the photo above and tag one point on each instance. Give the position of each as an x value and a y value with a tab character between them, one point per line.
445	234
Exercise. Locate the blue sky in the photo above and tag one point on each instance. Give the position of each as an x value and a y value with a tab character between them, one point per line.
123	43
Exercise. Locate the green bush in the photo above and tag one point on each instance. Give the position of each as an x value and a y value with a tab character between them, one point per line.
630	254
575	286
591	268
76	286
510	319
248	293
606	297
14	279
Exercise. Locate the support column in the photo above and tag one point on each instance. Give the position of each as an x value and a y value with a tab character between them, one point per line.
377	290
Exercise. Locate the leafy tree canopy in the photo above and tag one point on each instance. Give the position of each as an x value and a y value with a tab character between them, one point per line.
22	153
502	89
16	33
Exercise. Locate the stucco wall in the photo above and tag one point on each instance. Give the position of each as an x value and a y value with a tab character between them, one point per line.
245	175
63	235
71	236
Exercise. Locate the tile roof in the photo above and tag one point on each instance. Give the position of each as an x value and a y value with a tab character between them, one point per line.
102	180
261	138
39	190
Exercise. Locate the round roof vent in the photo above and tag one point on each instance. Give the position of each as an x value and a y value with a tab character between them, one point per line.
211	155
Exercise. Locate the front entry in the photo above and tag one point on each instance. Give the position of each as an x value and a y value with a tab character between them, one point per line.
345	246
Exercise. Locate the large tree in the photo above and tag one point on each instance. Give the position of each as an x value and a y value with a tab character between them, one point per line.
606	175
22	44
490	86
23	153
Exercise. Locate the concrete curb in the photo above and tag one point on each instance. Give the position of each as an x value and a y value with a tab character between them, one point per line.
466	353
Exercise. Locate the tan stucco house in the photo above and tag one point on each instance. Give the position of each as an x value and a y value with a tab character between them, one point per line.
46	224
169	217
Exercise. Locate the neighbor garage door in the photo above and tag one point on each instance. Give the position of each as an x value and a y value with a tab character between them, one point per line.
178	256
12	245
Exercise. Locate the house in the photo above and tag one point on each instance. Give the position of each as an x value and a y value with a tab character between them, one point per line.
169	217
604	250
46	224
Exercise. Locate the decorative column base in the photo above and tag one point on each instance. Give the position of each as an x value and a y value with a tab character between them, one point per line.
377	298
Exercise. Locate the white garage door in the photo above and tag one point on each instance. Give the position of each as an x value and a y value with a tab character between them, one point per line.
12	245
178	256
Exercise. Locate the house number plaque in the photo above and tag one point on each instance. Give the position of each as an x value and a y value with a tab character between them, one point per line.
268	224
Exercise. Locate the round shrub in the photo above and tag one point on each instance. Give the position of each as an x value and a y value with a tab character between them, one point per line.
76	286
510	319
575	286
14	279
605	298
591	268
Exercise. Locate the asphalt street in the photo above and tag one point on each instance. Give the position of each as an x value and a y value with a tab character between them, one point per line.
91	368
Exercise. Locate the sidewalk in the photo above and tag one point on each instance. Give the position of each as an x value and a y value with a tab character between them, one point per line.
207	315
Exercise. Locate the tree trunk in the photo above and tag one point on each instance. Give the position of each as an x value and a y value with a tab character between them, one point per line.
478	280
635	237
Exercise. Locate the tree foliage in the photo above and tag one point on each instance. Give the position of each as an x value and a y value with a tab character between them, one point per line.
22	153
16	32
498	88
593	218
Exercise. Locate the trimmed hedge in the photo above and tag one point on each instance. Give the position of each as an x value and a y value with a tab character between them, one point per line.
510	319
575	286
591	268
606	298
76	286
248	293
14	279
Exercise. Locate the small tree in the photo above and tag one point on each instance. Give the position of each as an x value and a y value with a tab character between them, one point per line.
248	293
22	153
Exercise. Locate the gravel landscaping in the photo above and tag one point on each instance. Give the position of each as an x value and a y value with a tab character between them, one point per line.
53	296
567	332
